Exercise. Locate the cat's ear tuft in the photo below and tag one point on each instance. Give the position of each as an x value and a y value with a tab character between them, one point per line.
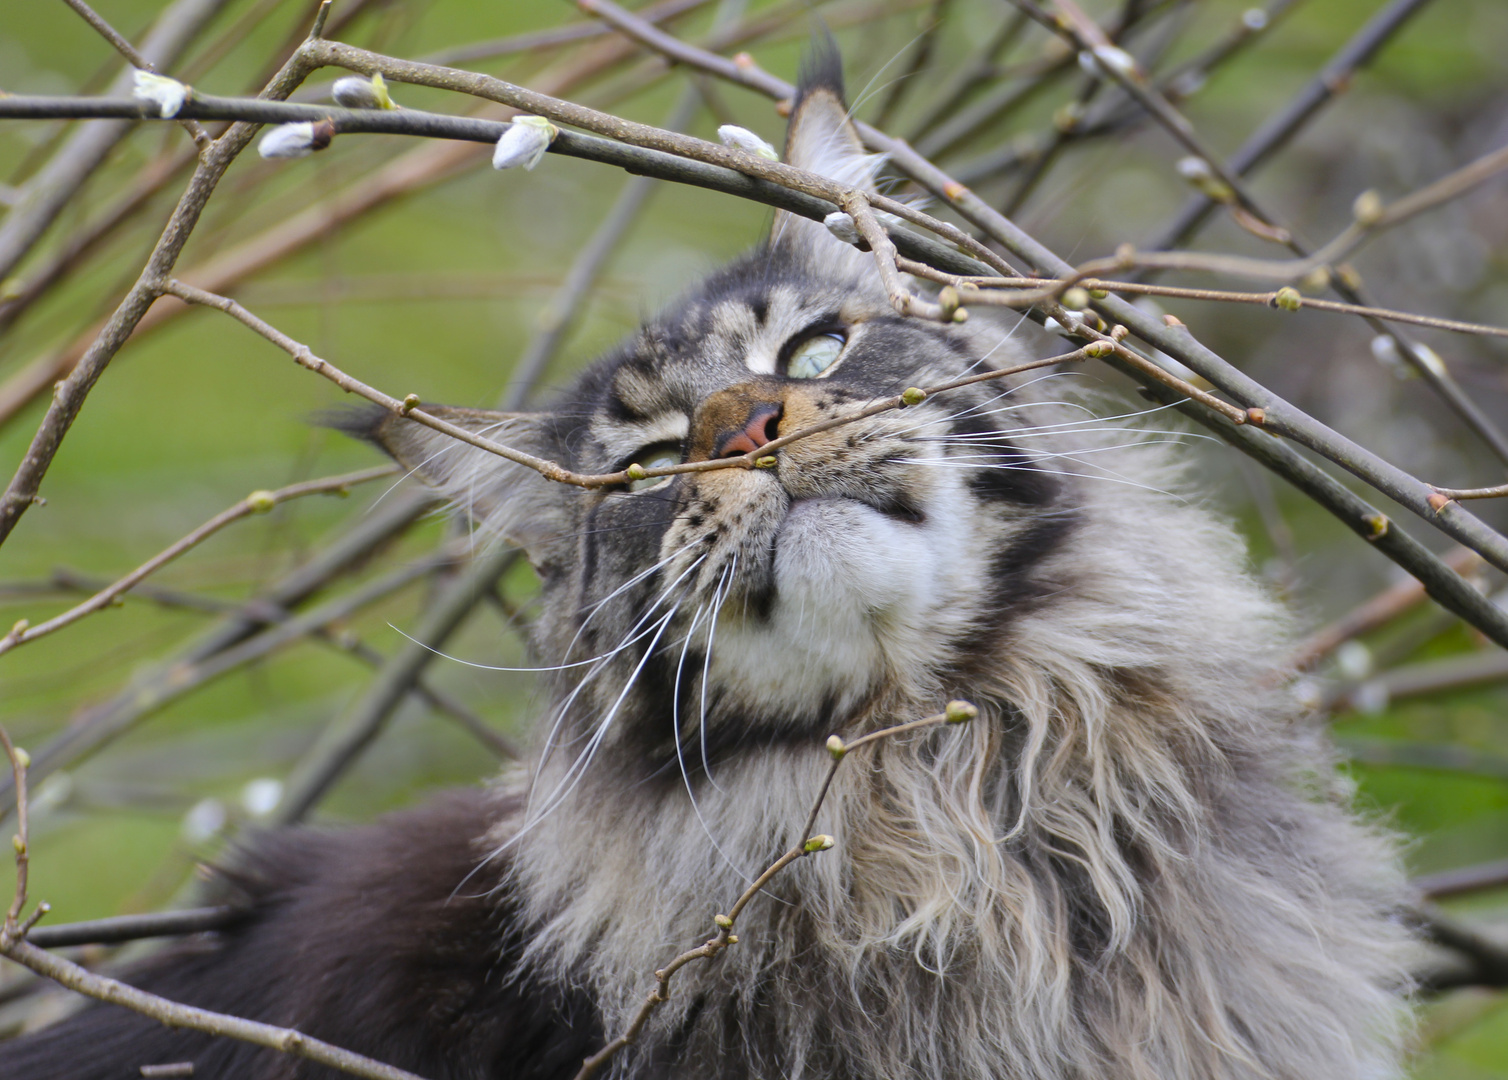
822	139
509	500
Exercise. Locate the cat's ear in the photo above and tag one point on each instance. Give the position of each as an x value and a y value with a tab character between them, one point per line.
509	500
822	139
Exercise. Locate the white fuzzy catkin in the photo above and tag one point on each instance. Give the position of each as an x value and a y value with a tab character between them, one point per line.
167	95
524	143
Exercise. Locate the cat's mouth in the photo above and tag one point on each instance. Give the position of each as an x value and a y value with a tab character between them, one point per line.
892	503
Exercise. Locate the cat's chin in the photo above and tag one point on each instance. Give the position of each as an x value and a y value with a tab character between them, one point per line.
854	588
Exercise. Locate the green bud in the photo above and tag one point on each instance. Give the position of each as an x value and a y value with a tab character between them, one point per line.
1076	298
261	501
913	395
636	472
1098	349
410	403
959	712
722	922
820	843
1099	294
23	758
836	747
1288	298
769	461
20	845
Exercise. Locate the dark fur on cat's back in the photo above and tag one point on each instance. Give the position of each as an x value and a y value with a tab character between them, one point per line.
1134	864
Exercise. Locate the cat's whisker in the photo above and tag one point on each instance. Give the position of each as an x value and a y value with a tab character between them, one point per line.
680	755
717	610
579	767
551	741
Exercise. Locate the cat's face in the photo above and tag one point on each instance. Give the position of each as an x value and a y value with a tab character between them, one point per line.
734	607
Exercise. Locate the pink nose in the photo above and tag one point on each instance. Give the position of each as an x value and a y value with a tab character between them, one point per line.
763	427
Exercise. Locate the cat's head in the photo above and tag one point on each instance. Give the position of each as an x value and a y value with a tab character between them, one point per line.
739	606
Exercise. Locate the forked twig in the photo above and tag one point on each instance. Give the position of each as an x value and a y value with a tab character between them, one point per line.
957	712
258	502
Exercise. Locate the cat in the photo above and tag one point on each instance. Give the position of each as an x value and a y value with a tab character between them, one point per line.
1135	863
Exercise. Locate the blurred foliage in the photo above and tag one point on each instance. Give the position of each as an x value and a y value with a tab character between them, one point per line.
437	293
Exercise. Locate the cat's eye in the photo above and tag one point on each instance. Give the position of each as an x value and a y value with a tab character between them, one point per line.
815	355
658	456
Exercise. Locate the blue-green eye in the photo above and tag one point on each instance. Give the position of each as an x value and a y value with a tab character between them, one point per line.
815	355
659	456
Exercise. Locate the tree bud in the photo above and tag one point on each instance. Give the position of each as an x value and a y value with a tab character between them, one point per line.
743	139
167	95
524	143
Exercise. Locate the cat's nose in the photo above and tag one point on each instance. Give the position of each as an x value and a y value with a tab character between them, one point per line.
736	421
763	427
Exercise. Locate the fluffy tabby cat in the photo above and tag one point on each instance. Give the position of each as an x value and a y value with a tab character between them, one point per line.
1134	864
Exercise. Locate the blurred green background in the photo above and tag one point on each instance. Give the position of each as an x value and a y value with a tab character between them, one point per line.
438	292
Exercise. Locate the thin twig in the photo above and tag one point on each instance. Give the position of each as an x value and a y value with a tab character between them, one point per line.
806	844
1034	290
176	1015
552	470
1378	611
1332	80
129	51
224	650
44	196
70	394
122	928
258	502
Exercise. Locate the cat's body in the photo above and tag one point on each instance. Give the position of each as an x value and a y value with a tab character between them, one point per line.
1133	864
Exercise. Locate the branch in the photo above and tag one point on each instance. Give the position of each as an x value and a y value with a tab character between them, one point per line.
410	408
1331	81
1034	290
226	649
1376	612
46	194
122	928
136	59
258	502
175	1015
957	712
70	394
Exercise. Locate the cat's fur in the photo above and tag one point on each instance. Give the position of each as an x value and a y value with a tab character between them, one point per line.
1136	862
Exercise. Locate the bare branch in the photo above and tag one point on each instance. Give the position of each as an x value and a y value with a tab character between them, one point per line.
258	502
70	394
137	60
45	195
806	844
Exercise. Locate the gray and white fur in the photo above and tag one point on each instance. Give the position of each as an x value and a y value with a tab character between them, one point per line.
1136	864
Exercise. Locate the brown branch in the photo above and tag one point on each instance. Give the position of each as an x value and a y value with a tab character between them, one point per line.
70	394
1472	493
1378	611
44	196
258	502
224	650
1283	125
173	1014
407	173
410	408
856	205
957	712
1035	289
